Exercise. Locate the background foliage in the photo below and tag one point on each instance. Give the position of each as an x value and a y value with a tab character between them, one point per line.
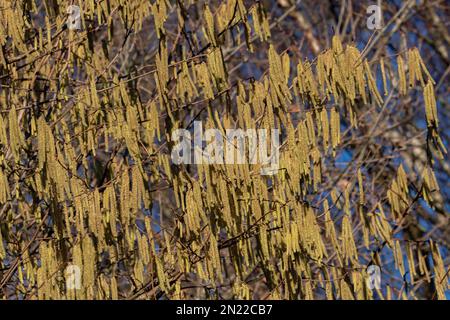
86	176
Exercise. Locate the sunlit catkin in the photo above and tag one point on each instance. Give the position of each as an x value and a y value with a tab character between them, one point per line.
430	105
401	75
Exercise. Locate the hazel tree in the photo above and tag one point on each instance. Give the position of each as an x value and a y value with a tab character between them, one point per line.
92	205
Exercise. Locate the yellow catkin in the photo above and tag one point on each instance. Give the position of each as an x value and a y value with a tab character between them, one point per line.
329	227
411	262
430	105
311	130
89	261
4	188
16	138
383	227
348	244
398	256
260	22
383	75
3	137
114	292
325	128
401	75
210	26
430	184
361	188
441	274
423	66
335	129
413	68
2	248
423	268
159	11
163	281
345	291
372	84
